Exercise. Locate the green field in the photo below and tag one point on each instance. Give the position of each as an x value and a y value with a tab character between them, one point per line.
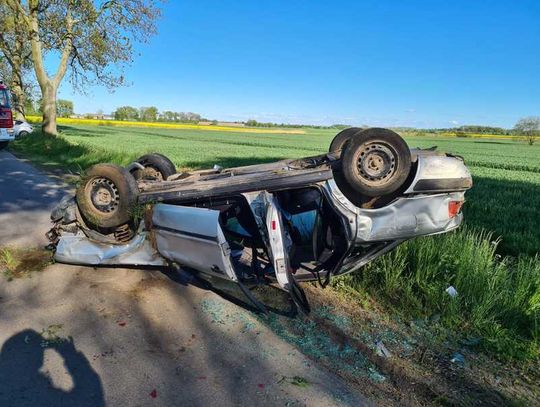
506	173
499	296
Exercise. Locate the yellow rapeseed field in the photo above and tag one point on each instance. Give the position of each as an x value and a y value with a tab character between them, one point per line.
121	123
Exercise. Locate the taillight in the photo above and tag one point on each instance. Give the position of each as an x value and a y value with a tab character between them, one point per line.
454	207
6	118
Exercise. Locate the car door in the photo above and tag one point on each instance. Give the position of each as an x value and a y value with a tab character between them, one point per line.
277	240
192	237
267	212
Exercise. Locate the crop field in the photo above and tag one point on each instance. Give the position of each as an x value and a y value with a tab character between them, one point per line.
492	261
183	126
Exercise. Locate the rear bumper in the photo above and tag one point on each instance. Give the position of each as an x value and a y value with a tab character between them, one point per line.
6	135
409	217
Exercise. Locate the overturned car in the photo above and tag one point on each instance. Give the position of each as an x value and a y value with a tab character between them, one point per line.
277	223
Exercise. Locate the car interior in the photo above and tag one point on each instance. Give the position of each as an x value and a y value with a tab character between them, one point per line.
314	234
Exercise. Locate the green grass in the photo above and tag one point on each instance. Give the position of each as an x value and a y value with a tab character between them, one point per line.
499	297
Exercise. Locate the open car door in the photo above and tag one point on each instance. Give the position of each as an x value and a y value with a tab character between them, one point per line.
278	241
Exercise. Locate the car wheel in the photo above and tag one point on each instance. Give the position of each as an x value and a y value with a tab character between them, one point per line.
339	141
156	166
336	146
21	134
3	144
376	162
106	196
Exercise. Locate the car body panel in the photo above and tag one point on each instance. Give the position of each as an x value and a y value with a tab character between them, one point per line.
77	248
6	135
440	173
409	217
227	183
192	237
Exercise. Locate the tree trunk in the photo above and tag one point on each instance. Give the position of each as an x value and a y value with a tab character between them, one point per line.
48	106
19	100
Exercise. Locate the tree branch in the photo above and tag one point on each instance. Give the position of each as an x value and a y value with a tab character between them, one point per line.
17	7
6	49
35	42
66	52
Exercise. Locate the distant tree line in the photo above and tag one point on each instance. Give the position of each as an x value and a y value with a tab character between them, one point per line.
477	129
152	114
527	128
255	123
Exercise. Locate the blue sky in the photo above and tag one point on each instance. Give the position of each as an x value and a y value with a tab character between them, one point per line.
385	63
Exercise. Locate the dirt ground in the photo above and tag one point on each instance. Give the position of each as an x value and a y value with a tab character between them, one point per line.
416	367
83	336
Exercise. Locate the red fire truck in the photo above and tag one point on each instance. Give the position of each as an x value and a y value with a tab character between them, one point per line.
6	117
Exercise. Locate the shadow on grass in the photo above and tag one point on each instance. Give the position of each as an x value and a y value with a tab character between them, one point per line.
490	142
96	132
59	152
509	209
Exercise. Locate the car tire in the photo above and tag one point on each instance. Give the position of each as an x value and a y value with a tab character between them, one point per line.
3	144
376	162
21	135
336	146
339	141
156	166
106	196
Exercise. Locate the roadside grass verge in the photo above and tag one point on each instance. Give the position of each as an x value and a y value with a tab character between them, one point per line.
19	263
498	300
59	152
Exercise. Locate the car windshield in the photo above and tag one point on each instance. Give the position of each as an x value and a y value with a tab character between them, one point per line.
4	98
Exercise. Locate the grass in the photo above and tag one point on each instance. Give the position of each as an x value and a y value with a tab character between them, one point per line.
19	263
499	296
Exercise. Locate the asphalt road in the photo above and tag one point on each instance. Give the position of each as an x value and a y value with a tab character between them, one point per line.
26	198
117	337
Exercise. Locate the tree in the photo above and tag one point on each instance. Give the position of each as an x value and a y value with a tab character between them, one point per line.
148	114
92	38
126	113
15	63
529	127
64	108
23	89
168	116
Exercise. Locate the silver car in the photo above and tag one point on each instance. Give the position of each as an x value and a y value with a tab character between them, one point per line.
22	129
282	222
